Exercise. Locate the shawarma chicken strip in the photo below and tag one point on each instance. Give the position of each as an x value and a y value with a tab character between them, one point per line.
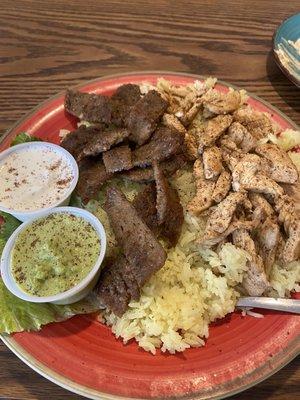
220	218
268	236
263	184
204	190
249	174
221	103
256	122
213	238
255	280
214	129
212	162
282	169
173	122
241	137
222	186
262	208
288	216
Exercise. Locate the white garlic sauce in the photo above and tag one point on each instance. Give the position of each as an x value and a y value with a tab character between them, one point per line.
34	178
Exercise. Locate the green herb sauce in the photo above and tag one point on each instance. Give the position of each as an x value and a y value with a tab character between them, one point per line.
54	254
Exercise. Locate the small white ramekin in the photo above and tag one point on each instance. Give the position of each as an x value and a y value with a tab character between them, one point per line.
72	295
63	201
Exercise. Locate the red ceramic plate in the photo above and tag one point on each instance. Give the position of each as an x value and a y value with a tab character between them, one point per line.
83	356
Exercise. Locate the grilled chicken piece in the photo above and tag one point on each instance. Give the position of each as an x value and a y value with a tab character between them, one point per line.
231	156
241	137
262	208
255	280
248	174
219	220
221	103
288	216
256	122
173	122
214	129
213	238
191	146
244	169
222	187
268	236
291	250
282	168
204	190
212	161
263	184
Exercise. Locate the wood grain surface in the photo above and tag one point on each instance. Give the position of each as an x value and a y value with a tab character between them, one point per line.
47	46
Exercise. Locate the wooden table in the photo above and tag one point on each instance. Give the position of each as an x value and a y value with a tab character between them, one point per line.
47	46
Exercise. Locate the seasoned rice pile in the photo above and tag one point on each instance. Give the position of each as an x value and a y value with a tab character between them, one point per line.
195	286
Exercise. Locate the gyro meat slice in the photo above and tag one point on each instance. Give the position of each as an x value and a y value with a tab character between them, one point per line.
144	116
214	129
103	141
220	218
140	247
145	205
76	140
90	107
92	177
255	280
125	97
169	209
117	159
204	190
222	187
282	167
117	286
164	144
212	162
145	175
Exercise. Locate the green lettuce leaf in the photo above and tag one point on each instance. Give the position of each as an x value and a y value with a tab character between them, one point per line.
23	137
18	315
8	224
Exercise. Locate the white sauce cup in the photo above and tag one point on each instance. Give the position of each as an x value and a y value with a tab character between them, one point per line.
64	200
72	295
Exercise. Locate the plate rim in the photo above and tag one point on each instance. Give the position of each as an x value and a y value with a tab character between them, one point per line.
93	394
289	352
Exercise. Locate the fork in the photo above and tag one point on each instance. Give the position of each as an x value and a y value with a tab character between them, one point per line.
287	305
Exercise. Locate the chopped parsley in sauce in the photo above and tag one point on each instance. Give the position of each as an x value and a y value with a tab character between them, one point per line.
53	254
